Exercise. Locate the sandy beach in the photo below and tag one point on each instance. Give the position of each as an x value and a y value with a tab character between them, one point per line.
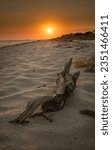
29	71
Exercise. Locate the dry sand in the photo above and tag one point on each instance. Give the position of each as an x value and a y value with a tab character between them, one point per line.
23	69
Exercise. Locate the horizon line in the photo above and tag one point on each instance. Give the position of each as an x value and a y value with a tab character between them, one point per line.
34	39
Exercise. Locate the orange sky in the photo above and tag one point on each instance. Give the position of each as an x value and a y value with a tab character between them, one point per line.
31	19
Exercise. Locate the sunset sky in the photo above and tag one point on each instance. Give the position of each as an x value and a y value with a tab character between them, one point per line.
43	19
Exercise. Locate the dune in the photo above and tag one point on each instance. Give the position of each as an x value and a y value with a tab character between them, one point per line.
28	71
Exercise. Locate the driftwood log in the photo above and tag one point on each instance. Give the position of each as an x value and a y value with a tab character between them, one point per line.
65	85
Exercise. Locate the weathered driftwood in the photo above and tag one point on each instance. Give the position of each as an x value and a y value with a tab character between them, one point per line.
65	84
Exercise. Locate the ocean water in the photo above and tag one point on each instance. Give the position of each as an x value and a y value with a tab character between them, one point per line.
4	43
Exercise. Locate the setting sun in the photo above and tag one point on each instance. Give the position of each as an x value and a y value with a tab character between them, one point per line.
49	30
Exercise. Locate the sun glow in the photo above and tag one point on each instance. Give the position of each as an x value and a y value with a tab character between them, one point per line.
49	30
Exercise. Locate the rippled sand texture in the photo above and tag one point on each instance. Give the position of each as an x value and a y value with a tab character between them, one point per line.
29	71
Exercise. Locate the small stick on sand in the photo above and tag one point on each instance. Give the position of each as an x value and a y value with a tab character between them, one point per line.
88	112
44	85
